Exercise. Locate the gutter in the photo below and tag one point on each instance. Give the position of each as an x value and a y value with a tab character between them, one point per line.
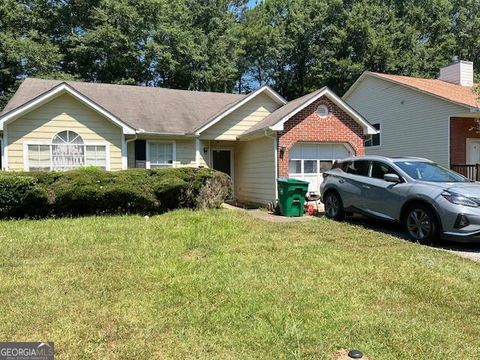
143	132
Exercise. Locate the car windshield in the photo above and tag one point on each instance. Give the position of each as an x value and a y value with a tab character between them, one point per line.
427	171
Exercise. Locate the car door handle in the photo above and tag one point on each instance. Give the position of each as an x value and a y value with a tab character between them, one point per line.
341	181
366	186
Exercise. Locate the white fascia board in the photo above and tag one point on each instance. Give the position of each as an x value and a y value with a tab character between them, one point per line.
54	92
368	129
355	84
266	89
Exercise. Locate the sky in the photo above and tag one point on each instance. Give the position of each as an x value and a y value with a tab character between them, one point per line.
251	3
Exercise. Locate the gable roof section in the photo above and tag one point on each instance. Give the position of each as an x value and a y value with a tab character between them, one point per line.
230	109
276	120
146	109
62	88
460	95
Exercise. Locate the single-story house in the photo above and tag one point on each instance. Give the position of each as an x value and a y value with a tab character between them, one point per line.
437	119
255	138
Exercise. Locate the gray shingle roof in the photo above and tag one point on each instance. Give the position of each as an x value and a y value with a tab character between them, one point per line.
148	108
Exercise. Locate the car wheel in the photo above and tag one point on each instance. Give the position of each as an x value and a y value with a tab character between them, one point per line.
421	224
334	206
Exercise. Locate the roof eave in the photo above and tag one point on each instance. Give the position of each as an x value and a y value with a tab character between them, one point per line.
377	76
367	127
264	89
52	93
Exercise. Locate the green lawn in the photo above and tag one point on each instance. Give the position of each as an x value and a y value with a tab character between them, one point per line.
219	284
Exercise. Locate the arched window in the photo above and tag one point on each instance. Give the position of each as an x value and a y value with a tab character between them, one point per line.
68	151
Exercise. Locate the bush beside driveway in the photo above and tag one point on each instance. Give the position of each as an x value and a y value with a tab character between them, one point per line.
220	284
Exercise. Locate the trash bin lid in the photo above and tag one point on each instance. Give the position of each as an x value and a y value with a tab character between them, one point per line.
292	181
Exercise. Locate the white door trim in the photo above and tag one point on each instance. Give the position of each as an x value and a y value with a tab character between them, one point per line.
232	165
470	141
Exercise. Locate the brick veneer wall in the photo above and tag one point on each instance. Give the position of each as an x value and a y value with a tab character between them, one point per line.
307	126
459	133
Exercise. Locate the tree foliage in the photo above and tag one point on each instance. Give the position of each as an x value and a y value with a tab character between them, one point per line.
295	46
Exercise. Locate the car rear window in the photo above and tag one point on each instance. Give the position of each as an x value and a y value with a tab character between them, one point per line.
358	167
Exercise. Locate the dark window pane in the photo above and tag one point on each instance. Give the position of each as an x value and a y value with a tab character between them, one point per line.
295	166
325	165
359	167
373	140
140	150
310	166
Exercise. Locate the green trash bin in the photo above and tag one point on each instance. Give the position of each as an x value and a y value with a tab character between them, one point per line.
291	196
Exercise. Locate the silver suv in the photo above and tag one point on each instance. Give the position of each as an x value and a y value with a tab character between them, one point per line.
430	201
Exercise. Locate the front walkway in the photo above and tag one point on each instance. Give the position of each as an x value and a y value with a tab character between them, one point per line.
263	214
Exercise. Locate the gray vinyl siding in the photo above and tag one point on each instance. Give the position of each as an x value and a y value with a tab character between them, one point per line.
412	123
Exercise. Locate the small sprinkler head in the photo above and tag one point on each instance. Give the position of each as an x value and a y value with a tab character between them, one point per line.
355	354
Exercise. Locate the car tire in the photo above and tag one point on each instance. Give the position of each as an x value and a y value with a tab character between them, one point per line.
421	224
334	206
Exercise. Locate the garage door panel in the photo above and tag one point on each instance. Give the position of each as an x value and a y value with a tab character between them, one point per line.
307	161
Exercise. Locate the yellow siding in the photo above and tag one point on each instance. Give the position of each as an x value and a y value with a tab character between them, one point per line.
185	150
254	175
185	153
62	113
241	119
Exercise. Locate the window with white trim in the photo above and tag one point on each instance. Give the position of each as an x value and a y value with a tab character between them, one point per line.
66	151
307	166
373	140
161	154
323	111
96	155
39	157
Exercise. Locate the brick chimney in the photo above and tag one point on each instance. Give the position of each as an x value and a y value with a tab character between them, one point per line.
458	72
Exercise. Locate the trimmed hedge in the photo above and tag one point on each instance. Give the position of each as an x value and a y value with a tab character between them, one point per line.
91	191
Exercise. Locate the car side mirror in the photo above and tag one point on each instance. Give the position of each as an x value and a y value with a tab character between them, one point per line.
393	178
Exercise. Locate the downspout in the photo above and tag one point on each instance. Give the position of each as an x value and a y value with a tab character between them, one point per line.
126	145
197	152
275	152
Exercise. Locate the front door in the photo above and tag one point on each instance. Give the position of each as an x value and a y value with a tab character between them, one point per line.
222	161
473	152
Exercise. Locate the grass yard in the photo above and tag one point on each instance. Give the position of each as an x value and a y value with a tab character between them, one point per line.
219	284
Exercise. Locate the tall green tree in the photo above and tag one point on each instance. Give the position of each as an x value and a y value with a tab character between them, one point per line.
25	48
219	45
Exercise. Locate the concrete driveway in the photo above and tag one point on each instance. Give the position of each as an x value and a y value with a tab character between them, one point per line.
467	251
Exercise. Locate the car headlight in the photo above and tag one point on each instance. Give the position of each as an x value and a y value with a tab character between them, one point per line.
458	199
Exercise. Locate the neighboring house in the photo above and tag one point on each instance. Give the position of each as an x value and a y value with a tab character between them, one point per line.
432	118
255	138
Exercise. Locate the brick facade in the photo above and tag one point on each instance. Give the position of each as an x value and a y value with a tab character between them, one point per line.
459	133
307	126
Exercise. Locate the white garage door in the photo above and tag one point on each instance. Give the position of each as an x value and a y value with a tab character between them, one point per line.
307	161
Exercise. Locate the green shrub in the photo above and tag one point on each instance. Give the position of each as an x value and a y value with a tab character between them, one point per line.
22	196
214	192
92	191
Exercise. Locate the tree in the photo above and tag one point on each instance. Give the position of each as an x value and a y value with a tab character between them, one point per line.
25	50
